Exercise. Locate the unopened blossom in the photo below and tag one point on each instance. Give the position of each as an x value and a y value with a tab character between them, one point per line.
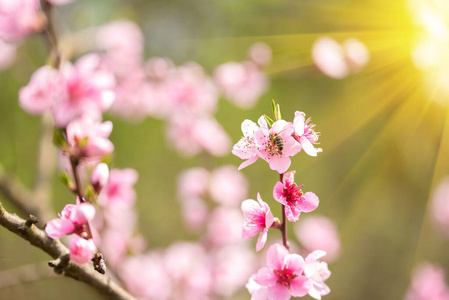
7	54
88	139
245	148
440	206
304	134
88	91
291	196
99	177
267	144
260	54
45	89
318	232
120	188
18	18
428	282
283	277
258	219
193	182
241	83
81	250
317	272
72	219
228	186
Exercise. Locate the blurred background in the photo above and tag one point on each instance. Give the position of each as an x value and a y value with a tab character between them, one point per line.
384	129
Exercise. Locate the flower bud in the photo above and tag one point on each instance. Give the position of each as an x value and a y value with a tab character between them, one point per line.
99	177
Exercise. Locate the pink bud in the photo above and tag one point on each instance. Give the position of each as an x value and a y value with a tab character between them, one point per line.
82	250
99	177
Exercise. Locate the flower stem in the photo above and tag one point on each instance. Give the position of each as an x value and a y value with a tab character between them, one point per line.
50	35
284	221
74	162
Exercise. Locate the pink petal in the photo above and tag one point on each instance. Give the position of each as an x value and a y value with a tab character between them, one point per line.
308	146
57	228
292	213
294	262
299	123
85	212
278	193
310	202
81	250
265	277
300	286
262	239
276	255
278	292
248	162
280	164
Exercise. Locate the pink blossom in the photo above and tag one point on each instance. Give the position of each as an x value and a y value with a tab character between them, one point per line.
318	232
241	83
428	282
18	18
258	219
119	188
304	134
224	226
245	148
267	148
440	206
193	182
81	250
260	54
338	61
317	272
291	196
146	277
73	219
7	55
45	89
88	139
283	277
194	212
228	186
99	177
88	91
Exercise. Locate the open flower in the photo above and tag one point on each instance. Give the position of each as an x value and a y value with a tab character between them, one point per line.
304	134
258	218
291	195
283	277
317	272
245	148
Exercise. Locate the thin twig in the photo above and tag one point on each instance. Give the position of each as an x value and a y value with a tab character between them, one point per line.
62	265
284	221
50	35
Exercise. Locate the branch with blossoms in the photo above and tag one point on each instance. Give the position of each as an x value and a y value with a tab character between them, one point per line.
287	274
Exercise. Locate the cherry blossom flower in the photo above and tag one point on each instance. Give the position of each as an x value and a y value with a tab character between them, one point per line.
224	226
99	177
81	250
194	212
318	232
257	291
268	149
291	196
258	219
260	54
88	139
304	134
283	277
18	18
45	89
317	272
428	282
245	148
193	182
119	188
228	186
73	219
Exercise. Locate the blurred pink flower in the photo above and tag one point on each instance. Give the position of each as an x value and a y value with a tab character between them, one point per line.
224	226
228	186
81	250
245	148
119	188
18	18
45	89
193	182
428	282
267	149
338	61
318	232
283	277
88	139
317	272
260	54
440	206
241	83
290	195
7	55
304	134
258	218
88	91
73	219
146	277
194	212
99	177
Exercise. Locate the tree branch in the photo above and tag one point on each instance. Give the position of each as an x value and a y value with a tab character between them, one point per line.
62	264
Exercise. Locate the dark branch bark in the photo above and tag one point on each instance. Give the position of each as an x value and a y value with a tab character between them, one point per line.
62	265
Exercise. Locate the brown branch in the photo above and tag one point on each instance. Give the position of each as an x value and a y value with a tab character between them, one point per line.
283	227
62	264
50	35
